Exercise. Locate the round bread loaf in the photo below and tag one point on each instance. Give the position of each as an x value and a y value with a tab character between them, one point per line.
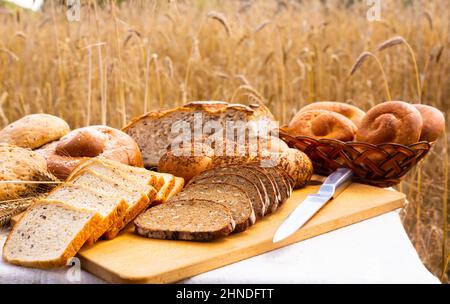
322	124
67	153
297	165
34	131
187	161
20	164
391	122
353	113
433	122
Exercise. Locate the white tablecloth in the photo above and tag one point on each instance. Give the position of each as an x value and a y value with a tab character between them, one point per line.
374	251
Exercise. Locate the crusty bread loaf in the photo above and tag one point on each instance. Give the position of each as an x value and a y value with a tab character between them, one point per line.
34	131
49	234
391	122
153	131
110	207
195	220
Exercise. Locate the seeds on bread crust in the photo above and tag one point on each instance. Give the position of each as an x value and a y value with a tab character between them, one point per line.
194	220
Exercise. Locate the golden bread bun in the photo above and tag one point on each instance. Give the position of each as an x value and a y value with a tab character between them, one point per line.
391	122
353	113
433	122
322	124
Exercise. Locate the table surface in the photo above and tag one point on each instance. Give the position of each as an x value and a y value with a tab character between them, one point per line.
377	250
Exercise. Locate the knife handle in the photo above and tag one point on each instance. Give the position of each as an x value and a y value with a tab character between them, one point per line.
336	182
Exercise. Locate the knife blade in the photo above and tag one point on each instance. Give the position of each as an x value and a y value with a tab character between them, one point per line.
333	185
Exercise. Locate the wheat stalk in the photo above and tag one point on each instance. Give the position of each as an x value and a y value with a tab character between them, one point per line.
221	19
361	59
398	41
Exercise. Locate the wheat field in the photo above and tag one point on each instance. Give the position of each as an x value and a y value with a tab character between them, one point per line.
124	58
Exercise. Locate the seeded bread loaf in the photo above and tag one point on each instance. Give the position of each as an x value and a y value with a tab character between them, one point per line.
195	220
49	234
111	208
231	196
153	131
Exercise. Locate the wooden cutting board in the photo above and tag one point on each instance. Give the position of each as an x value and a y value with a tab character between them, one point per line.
130	258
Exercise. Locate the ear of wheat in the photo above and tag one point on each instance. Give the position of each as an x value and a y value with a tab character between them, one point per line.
398	41
221	19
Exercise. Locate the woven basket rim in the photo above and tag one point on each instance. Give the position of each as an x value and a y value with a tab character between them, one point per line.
283	131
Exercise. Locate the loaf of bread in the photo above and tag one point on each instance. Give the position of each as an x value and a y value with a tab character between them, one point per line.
322	124
353	113
391	122
19	166
433	122
248	192
153	131
64	155
49	234
34	131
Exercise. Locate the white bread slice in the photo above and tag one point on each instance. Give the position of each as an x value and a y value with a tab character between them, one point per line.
110	207
177	187
163	193
138	197
49	234
109	167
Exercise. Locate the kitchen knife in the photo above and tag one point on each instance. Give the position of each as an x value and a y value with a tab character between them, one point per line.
331	188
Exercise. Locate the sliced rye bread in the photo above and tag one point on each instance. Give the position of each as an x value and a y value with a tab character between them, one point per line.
260	210
269	184
231	196
280	183
49	234
195	220
240	181
111	208
137	196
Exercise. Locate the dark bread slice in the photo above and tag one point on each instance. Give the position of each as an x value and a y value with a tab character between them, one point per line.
260	209
283	186
194	220
235	199
270	185
242	182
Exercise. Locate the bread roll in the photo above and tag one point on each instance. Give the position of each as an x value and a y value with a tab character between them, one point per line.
353	113
391	122
65	155
322	124
433	122
34	131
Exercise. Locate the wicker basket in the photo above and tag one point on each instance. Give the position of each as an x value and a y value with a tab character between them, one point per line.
381	165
